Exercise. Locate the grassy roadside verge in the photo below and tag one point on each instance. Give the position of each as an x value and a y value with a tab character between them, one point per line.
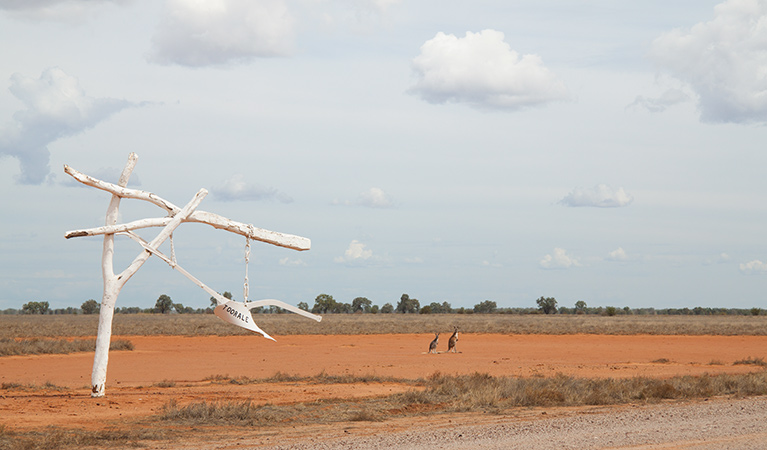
438	394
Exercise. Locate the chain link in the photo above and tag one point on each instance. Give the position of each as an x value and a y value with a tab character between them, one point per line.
247	260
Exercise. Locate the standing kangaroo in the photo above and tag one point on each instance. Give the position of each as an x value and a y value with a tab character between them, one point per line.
452	341
433	345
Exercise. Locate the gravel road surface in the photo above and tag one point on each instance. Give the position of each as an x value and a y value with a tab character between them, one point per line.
705	425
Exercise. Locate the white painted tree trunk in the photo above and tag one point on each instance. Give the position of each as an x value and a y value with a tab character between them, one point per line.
103	339
111	289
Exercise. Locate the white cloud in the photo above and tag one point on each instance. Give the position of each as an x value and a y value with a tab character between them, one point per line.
372	198
669	98
60	10
486	263
292	262
617	255
754	266
237	188
15	5
213	32
355	253
360	16
724	61
722	258
375	198
56	107
559	260
482	70
601	196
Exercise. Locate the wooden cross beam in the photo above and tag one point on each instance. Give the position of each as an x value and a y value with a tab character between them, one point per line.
214	220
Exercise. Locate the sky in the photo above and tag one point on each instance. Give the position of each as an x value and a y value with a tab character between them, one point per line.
605	151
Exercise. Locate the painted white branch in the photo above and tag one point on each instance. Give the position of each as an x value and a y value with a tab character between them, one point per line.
121	191
258	234
122	228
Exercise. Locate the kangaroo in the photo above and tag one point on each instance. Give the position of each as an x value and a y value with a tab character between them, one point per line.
433	345
452	341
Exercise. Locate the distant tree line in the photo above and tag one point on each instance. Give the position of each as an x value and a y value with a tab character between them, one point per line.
326	304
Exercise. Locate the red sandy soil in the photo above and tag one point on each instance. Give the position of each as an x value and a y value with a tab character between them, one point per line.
133	376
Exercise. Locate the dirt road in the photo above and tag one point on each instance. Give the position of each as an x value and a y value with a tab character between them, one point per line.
704	425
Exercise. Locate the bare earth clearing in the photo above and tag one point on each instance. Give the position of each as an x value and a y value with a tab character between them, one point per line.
164	368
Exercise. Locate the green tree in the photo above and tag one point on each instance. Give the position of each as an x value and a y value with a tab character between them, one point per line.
443	308
324	304
408	305
374	309
90	307
611	311
387	308
342	308
163	304
35	308
580	307
361	304
547	304
486	307
213	302
303	305
179	308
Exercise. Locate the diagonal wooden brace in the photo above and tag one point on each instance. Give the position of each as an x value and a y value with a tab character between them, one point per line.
177	219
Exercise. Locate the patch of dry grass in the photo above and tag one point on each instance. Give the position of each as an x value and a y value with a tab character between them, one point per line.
289	324
471	393
48	386
51	438
483	392
435	395
321	378
38	346
751	361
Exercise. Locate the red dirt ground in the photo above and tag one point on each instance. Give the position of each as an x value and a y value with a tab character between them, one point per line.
133	376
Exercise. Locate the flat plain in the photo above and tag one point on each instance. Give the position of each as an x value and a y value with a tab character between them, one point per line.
196	382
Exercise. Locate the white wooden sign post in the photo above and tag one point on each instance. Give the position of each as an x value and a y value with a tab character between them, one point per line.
236	313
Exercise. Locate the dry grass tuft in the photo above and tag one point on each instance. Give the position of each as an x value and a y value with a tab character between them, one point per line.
48	386
56	438
243	413
321	378
481	392
752	361
38	346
